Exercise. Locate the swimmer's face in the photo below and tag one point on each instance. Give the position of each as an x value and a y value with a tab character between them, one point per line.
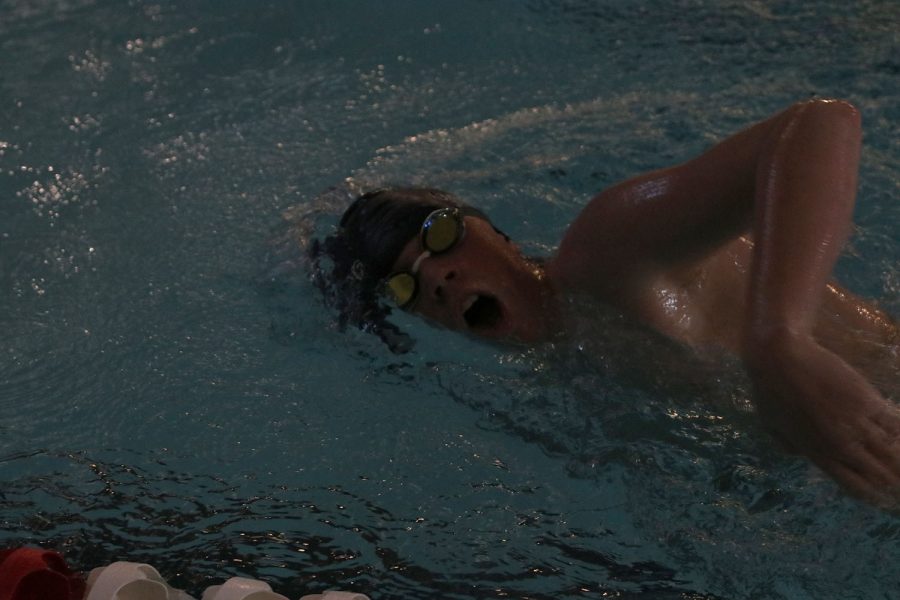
482	286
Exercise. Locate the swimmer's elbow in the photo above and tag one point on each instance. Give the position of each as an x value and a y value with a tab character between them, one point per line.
829	110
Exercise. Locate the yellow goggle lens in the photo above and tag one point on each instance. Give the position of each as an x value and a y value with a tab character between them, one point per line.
402	288
441	231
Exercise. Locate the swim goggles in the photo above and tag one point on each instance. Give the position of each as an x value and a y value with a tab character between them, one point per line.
441	231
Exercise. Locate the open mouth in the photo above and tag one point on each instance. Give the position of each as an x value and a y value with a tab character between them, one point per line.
483	312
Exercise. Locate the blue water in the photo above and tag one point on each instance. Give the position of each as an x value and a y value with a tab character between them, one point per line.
164	398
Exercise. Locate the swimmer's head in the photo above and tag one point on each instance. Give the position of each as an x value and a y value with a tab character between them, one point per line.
470	278
380	223
372	233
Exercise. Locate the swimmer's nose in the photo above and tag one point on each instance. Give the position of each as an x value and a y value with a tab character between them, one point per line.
440	290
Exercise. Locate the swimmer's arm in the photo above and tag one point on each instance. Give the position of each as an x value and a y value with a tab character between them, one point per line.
810	398
680	213
790	181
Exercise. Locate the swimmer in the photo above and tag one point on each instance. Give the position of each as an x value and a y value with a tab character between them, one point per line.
733	249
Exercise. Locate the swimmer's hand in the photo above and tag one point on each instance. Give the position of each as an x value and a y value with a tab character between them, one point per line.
819	406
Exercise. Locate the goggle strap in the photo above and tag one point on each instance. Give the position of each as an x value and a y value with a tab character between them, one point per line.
415	268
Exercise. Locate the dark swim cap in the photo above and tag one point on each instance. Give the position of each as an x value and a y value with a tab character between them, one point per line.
372	233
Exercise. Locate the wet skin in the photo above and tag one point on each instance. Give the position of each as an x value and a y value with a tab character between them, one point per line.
701	305
732	249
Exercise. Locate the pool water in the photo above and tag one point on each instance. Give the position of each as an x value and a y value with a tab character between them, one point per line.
169	394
